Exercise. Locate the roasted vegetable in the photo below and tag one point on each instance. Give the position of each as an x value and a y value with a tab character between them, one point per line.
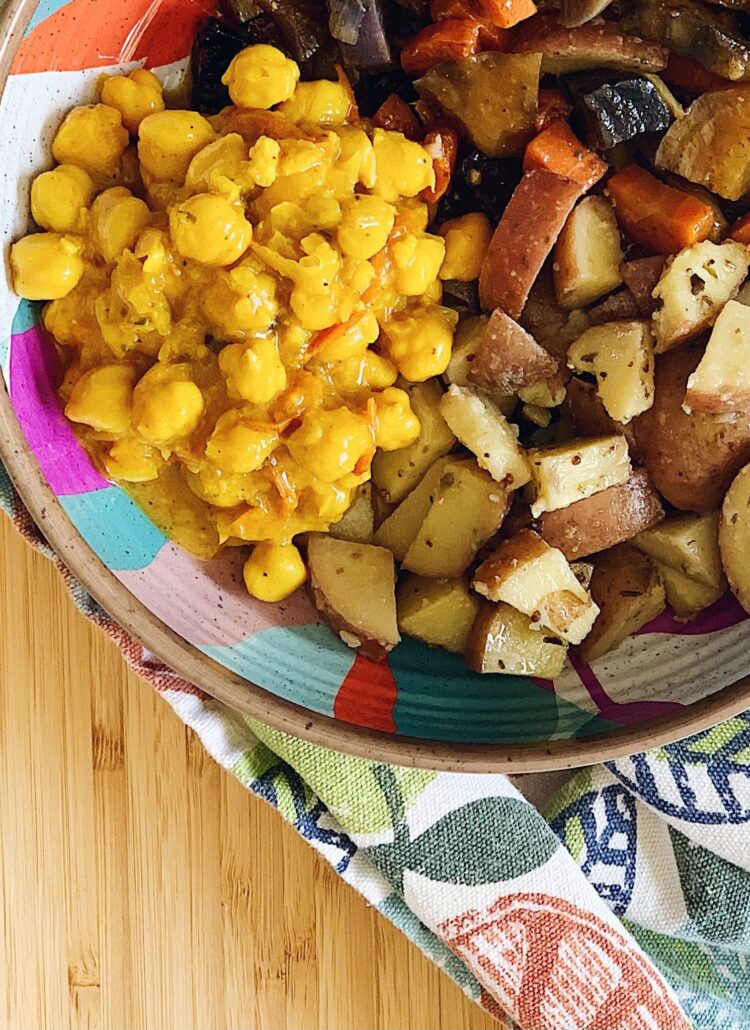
363	618
396	115
656	216
508	358
442	146
371	51
629	592
551	326
690	545
641	277
439	612
479	183
535	578
601	45
618	307
524	238
710	144
372	90
490	98
577	12
304	33
552	105
448	40
692	459
588	254
734	537
571	471
483	429
693	289
721	382
559	150
616	112
606	518
400	527
692	30
505	641
215	44
687	74
621	356
358	522
582	407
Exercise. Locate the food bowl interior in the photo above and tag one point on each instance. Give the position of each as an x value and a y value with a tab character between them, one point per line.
284	648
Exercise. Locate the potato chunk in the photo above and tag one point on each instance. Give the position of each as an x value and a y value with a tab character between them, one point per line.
466	345
440	612
507	358
598	44
358	521
711	144
535	578
398	530
721	382
694	287
568	472
621	356
395	473
734	537
504	640
467	509
609	517
641	277
339	572
690	545
588	254
481	426
685	596
629	591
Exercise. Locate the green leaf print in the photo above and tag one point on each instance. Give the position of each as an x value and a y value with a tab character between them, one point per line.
717	892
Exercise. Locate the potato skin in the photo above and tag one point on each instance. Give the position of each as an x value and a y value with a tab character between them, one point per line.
589	416
641	277
508	358
530	225
734	537
606	518
691	459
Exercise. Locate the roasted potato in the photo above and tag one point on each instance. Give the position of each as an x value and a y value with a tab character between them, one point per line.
694	287
358	522
629	592
467	509
395	473
466	344
481	426
551	326
507	358
734	537
535	578
621	356
603	520
527	231
354	587
691	459
504	640
685	596
582	406
640	277
598	45
440	612
397	530
721	382
588	254
689	544
711	144
618	307
571	471
467	91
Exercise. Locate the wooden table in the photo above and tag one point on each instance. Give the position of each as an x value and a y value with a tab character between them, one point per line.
140	886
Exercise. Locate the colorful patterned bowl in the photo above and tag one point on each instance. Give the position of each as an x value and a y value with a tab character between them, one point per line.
278	663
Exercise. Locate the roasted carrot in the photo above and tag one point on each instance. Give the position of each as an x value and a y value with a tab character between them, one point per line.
688	74
552	105
491	36
448	40
442	145
741	230
396	115
660	218
559	150
506	13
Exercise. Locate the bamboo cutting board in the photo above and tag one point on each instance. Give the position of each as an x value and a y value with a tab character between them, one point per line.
140	886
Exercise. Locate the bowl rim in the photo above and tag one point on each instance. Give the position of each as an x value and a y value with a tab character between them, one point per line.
251	700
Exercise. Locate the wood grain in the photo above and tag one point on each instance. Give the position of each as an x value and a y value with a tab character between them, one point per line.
142	887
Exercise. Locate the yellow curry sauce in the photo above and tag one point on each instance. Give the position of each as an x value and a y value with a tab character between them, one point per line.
231	342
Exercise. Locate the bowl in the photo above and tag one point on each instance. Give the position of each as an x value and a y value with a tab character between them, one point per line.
278	663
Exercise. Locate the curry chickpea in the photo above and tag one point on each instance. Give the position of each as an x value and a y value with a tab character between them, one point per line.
397	425
117	221
320	102
169	140
253	370
46	265
366	223
419	341
261	76
92	137
210	230
467	240
135	96
167	405
330	444
274	571
102	398
60	197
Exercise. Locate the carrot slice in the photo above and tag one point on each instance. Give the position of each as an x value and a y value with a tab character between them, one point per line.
559	150
741	230
442	145
686	73
448	40
396	115
506	13
552	105
660	218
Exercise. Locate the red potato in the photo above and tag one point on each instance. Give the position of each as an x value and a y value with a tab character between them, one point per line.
606	518
528	229
585	410
509	358
618	307
640	277
599	45
692	459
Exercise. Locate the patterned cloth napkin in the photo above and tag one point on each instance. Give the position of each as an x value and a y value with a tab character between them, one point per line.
623	903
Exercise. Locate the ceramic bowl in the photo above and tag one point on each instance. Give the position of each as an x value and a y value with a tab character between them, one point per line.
278	663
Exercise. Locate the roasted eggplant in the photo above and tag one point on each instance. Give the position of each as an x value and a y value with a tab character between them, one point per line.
480	183
616	112
301	32
214	46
